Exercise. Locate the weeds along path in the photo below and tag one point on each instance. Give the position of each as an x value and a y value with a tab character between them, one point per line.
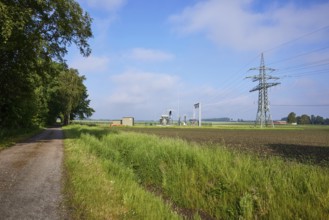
113	174
30	178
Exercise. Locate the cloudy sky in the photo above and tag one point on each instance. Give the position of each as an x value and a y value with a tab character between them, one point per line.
150	56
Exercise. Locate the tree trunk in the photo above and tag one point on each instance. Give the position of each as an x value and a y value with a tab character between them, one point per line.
66	119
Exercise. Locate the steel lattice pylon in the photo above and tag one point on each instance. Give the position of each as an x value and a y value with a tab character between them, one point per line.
263	117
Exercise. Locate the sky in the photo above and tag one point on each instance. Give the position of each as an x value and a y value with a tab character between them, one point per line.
149	57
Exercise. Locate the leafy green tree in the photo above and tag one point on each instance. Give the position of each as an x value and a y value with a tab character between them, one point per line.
298	119
312	118
292	117
326	121
83	109
319	120
304	119
32	35
47	26
69	97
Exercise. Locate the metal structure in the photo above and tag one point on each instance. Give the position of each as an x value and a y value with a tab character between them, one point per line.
198	106
263	117
166	119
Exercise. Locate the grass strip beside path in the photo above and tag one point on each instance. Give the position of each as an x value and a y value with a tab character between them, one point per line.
110	174
98	188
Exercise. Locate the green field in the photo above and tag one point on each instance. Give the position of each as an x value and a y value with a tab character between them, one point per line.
119	174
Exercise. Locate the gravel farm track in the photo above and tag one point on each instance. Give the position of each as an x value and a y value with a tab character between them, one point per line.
31	178
304	145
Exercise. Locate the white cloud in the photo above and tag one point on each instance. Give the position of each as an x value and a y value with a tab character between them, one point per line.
234	24
149	55
108	5
91	64
141	87
144	95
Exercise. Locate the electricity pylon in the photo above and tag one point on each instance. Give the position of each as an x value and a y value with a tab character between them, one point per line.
263	113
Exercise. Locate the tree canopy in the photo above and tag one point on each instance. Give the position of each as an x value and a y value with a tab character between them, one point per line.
305	119
68	97
34	37
292	117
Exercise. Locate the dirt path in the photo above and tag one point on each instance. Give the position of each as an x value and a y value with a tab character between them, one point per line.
31	178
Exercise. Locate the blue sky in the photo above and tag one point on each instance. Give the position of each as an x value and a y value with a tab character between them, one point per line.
151	56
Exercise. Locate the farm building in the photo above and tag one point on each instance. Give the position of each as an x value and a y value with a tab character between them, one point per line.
128	121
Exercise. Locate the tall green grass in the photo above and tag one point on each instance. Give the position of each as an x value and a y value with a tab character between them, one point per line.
99	188
205	181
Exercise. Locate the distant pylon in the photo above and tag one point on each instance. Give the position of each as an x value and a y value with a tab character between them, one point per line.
263	117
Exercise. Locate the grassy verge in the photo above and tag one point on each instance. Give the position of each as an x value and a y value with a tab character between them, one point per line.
11	137
111	175
99	188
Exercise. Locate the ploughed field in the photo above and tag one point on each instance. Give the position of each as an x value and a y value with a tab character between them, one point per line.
305	144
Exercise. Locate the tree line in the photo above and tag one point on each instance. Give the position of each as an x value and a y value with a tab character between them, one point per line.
306	119
36	85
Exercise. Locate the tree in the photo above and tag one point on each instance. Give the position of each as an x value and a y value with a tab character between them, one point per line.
32	35
47	26
326	121
83	110
312	119
69	97
292	117
298	119
319	120
304	119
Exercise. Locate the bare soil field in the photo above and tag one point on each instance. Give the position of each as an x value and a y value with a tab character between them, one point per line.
305	145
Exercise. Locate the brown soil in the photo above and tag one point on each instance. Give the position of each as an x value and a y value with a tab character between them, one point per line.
307	145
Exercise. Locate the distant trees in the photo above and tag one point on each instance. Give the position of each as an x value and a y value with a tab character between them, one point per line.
292	117
225	119
317	119
305	119
33	35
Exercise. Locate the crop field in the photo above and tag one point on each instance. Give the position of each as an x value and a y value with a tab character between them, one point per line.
114	173
305	144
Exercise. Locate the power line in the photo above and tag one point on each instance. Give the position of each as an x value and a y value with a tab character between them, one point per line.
298	38
293	105
307	66
299	55
226	89
309	73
